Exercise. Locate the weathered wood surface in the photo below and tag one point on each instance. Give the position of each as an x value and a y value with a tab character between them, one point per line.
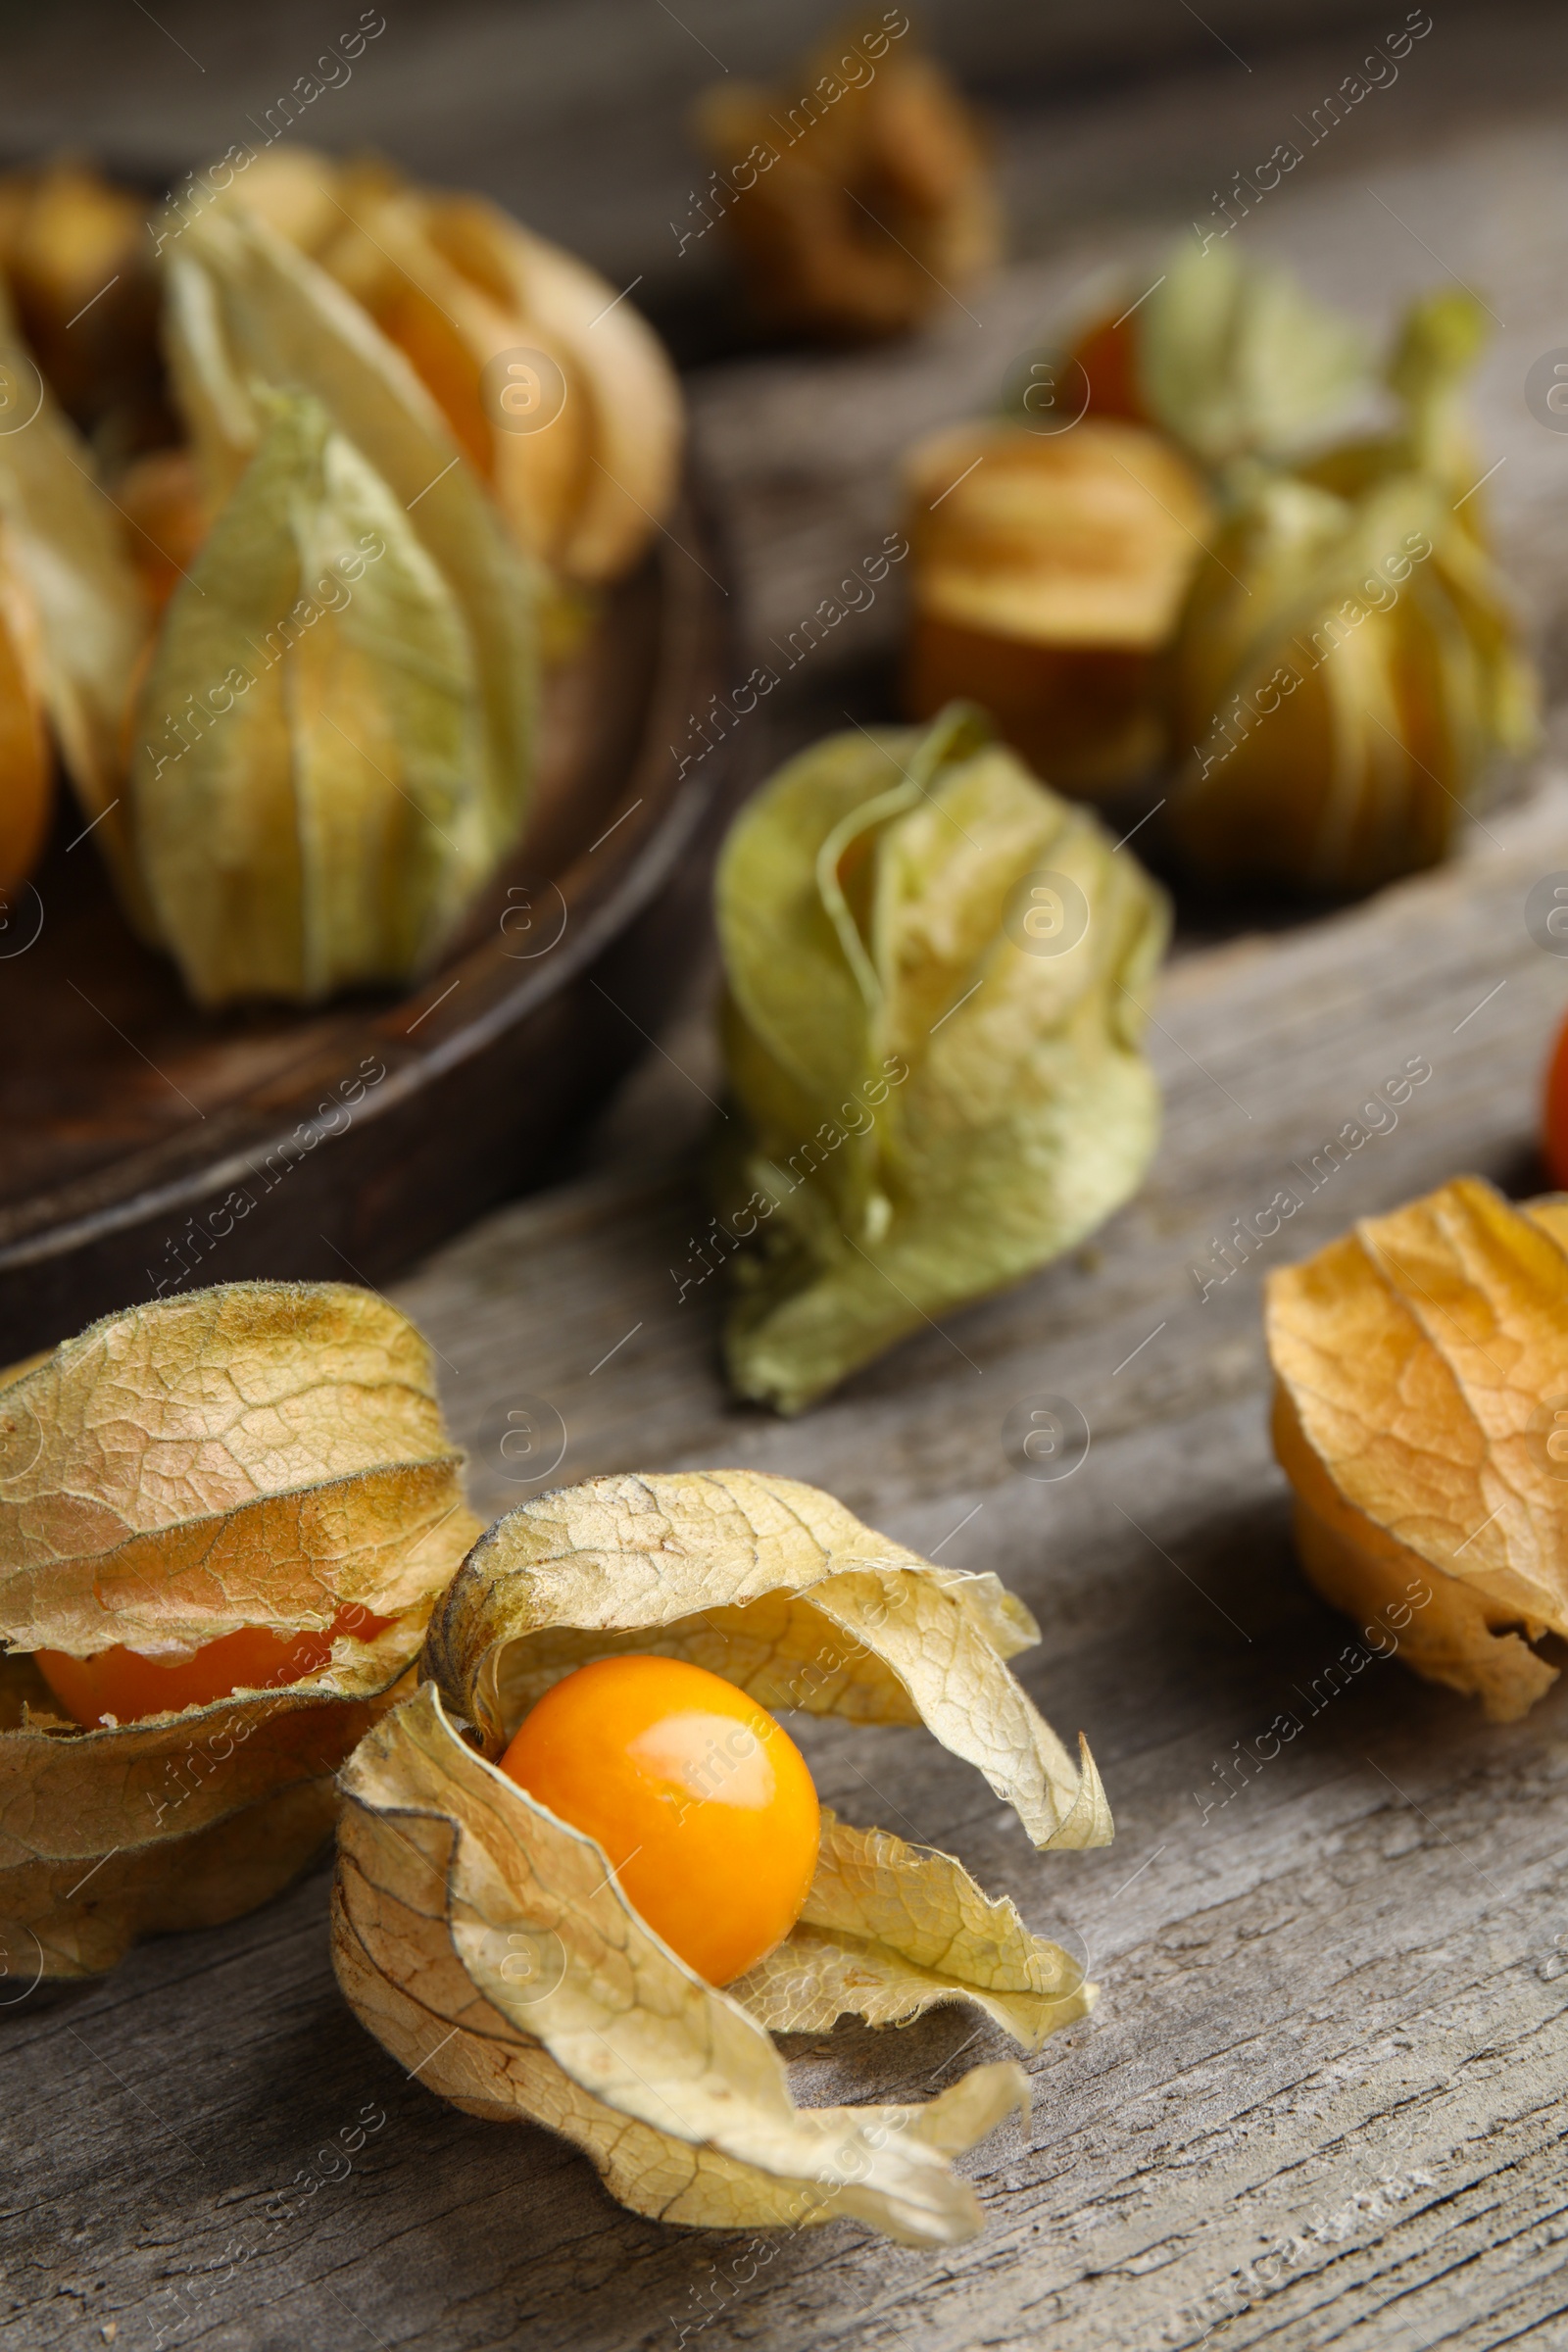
1321	2102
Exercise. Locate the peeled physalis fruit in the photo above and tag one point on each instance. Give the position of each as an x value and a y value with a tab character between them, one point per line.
859	194
1349	662
935	971
1421	1415
308	786
222	1520
561	397
703	1804
491	1945
1048	575
1230	357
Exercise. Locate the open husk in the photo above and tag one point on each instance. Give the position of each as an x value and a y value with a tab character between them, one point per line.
263	1455
581	448
491	1948
1421	1415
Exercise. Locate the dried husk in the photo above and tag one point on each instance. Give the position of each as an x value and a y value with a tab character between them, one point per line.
782	1591
323	828
490	1947
27	759
878	203
244	307
1350	660
1229	356
1049	572
891	1931
75	257
1422	1366
86	620
453	281
924	1109
260	1454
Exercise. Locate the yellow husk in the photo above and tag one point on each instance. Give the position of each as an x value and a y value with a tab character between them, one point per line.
261	1454
490	1947
1420	1360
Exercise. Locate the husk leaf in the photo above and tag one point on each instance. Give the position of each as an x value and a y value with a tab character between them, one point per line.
452	280
1420	1360
863	215
776	1586
325	828
263	1455
27	759
924	1110
1348	665
890	1930
1235	360
448	1875
86	614
246	307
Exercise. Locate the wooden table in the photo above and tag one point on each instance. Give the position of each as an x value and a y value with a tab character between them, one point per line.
1321	2100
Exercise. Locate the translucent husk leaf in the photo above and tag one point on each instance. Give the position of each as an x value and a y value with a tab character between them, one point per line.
1234	359
62	537
257	1455
781	1589
326	825
924	1110
871	195
452	281
1421	1362
490	1949
244	306
890	1930
1048	575
614	365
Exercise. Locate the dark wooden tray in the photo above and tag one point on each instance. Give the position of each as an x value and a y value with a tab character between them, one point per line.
146	1147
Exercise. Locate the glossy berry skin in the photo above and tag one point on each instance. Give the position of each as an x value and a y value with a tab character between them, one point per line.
1554	1141
702	1802
125	1683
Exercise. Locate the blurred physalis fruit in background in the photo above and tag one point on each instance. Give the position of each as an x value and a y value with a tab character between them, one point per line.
1048	575
702	1802
857	192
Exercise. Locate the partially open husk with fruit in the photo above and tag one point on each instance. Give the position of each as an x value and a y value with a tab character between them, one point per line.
493	1948
223	1520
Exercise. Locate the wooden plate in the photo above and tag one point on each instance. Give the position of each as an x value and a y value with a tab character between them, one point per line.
146	1147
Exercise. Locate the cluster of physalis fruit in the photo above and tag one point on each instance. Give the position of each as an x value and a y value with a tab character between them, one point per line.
243	1607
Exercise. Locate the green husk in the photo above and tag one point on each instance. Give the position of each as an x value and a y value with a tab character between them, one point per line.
320	823
924	1109
1236	360
1349	662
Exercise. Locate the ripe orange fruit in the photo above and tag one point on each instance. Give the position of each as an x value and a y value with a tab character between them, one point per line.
126	1684
702	1802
